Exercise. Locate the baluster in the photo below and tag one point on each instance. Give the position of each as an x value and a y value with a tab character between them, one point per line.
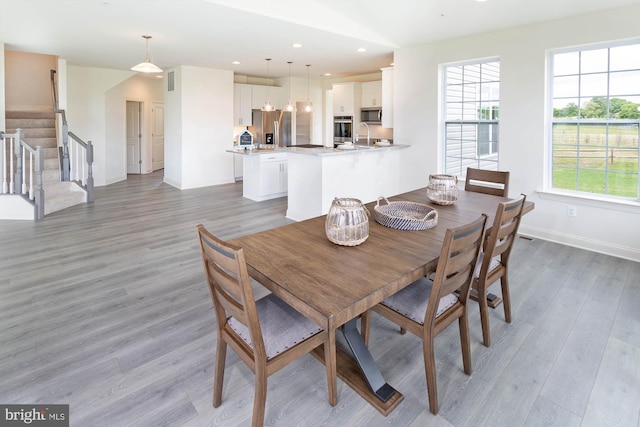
11	160
5	184
31	174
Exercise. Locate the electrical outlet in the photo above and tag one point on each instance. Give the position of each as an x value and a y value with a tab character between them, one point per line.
572	211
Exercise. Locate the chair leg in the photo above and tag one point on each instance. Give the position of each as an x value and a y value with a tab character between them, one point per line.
430	371
402	330
365	321
506	297
484	315
465	342
218	380
260	397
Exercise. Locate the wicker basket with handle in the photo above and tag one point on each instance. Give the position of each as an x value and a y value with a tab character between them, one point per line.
404	215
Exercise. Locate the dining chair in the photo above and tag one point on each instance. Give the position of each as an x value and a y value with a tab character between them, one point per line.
267	334
426	307
487	181
493	262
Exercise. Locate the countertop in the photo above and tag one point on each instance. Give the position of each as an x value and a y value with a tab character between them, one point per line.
319	151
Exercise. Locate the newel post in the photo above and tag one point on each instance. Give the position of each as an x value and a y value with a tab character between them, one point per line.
66	166
17	179
39	192
90	172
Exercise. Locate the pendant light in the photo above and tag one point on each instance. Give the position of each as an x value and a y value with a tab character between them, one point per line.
308	108
290	106
147	66
267	106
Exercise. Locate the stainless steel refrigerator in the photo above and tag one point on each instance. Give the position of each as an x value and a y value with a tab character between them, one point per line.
271	127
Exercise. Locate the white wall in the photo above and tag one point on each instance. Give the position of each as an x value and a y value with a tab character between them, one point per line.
2	102
86	116
600	226
136	88
199	128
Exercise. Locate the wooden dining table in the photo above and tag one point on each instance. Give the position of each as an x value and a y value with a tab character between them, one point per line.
333	284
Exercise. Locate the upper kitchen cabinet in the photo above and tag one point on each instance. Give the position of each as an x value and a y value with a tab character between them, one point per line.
372	94
259	96
387	97
242	105
346	99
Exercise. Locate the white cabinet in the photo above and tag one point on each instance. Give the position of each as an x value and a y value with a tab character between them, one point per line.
387	97
265	176
242	105
273	178
346	99
372	94
259	96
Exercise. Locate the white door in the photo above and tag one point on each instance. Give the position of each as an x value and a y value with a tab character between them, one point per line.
134	137
157	136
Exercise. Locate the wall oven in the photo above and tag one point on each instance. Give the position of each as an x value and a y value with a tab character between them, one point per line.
342	129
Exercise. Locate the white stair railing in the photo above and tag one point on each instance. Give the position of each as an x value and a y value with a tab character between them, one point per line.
19	169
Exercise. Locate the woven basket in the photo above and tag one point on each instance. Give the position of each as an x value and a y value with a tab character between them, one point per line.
405	215
443	189
347	223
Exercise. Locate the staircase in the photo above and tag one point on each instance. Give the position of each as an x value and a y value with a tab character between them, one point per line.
39	129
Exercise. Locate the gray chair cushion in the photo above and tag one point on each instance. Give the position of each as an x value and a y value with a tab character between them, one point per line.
412	300
282	326
495	262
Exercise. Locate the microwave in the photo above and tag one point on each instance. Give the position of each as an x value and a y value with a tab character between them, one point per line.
372	115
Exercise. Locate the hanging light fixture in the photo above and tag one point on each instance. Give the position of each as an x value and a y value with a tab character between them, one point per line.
290	106
147	66
308	108
267	106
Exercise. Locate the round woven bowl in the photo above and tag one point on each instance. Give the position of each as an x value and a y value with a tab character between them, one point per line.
405	215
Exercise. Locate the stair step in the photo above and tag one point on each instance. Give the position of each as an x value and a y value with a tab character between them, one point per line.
29	123
55	202
52	163
29	115
35	132
42	142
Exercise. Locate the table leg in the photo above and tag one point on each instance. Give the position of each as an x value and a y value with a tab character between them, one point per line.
330	364
372	374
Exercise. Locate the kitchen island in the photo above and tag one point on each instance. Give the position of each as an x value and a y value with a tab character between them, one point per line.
315	176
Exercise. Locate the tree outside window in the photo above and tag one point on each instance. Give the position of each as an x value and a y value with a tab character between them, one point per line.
596	120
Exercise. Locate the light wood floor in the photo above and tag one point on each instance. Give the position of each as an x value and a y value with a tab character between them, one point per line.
104	307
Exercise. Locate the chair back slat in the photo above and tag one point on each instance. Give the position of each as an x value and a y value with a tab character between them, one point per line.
456	264
229	283
487	181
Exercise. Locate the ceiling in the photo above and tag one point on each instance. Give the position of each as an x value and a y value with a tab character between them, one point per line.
213	33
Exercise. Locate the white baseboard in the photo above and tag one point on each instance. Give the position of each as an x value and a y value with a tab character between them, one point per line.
606	248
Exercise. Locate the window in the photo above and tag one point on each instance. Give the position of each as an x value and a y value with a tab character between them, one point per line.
471	112
596	116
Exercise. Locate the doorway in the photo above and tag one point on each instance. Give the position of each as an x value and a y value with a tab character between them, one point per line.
134	137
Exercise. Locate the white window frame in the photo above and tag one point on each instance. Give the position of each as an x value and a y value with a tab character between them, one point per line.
549	184
473	125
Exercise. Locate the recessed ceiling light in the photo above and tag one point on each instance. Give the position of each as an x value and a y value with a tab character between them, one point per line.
235	62
392	64
328	74
296	45
481	1
362	49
